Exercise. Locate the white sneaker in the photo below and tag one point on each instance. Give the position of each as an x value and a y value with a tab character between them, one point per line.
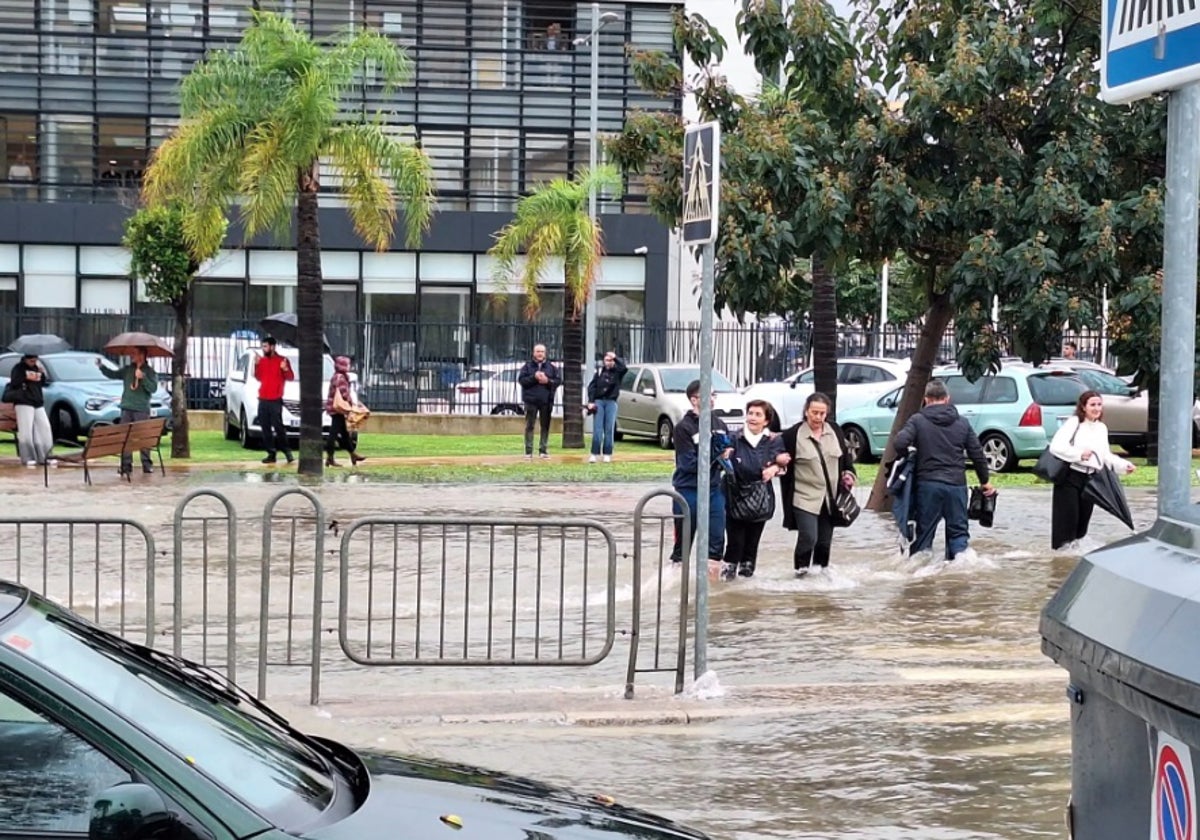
31	464
52	462
608	459
592	459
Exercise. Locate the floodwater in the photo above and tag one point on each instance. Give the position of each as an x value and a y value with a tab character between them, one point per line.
888	698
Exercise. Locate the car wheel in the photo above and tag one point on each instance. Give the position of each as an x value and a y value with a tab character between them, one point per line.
244	432
1137	450
64	425
231	432
856	442
507	411
666	433
998	452
618	435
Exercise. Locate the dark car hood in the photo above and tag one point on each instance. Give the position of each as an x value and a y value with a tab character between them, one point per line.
409	798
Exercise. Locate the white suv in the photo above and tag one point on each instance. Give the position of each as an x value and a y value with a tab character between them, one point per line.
241	397
860	380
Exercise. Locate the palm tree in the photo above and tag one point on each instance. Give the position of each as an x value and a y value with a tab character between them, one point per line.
256	122
553	222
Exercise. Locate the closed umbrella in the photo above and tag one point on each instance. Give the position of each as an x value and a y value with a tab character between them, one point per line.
39	345
901	480
283	327
125	343
1104	488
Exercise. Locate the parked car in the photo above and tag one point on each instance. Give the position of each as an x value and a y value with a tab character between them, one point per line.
494	389
860	381
653	399
78	396
241	397
1015	412
105	738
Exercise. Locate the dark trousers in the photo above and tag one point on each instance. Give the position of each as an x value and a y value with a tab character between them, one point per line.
814	537
936	501
1070	512
716	521
339	435
741	547
128	416
539	413
270	417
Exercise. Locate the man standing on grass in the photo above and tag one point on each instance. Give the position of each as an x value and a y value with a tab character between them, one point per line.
140	382
271	371
539	380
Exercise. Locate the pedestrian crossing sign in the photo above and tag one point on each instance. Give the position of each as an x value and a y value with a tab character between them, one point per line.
701	183
1147	46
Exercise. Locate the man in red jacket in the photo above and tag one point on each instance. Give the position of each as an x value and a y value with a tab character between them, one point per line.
271	371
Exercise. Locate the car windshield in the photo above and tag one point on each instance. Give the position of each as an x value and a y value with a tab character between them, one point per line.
676	380
74	368
274	772
1105	383
1055	389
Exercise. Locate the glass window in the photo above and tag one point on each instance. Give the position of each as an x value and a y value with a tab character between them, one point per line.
16	14
49	775
1000	389
395	18
268	299
122	152
806	378
495	171
66	167
1052	389
442	58
963	391
446	152
676	380
629	378
18	138
646	382
1105	383
545	159
860	375
218	300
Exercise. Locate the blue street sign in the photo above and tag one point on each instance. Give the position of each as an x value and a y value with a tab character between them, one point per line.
701	183
1147	47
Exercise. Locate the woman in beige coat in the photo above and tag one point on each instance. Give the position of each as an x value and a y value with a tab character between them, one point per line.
805	491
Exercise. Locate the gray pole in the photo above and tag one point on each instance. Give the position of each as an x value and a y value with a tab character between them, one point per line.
704	462
1176	368
589	312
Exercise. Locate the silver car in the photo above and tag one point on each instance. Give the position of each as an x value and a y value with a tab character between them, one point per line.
653	400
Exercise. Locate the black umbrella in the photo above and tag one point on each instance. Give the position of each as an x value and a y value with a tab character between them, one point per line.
282	325
39	345
1105	490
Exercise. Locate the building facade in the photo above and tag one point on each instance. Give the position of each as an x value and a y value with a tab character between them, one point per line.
499	98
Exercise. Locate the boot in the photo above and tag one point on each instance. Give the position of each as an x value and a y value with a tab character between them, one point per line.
355	458
329	462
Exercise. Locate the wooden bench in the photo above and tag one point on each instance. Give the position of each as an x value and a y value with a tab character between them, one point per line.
8	419
121	439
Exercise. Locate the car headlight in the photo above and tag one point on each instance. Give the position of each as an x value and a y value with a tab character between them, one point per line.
99	403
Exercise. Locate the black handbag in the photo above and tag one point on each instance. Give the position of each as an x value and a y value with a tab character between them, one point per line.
749	501
843	507
12	393
981	507
1050	467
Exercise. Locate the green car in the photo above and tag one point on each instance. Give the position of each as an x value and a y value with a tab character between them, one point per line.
106	739
1015	413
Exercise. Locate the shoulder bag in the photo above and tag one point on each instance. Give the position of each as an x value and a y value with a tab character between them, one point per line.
12	393
748	501
843	507
1050	467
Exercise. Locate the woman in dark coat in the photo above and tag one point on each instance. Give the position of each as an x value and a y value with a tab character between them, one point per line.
758	458
805	491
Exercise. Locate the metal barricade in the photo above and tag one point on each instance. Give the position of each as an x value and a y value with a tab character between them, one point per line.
295	578
506	617
684	571
91	566
181	522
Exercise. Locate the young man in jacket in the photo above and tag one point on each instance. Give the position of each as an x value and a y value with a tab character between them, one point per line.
941	435
539	380
272	370
690	458
602	394
140	382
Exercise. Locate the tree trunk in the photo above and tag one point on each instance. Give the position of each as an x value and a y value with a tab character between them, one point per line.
824	339
924	357
310	319
572	372
180	439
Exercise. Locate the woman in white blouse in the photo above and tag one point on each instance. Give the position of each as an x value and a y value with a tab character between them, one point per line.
1082	442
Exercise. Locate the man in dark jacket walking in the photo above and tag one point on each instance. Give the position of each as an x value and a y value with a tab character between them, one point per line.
691	456
602	394
539	380
941	436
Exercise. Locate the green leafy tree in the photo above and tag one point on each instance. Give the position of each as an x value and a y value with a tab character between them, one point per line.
256	123
553	223
161	257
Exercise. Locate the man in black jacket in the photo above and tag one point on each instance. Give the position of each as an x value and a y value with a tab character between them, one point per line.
690	458
941	436
539	379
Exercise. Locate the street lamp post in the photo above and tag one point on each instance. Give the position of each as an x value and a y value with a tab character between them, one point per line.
599	21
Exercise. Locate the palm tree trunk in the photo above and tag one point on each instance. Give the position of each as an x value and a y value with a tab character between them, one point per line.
937	318
310	320
824	318
572	373
180	439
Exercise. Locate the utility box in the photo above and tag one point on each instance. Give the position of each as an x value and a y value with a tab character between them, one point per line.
1126	627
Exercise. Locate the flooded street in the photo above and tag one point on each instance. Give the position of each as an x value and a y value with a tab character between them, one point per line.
889	698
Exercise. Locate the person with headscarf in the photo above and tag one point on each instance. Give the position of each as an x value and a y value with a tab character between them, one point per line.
339	402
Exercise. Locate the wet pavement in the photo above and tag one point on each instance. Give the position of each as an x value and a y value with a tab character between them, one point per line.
889	698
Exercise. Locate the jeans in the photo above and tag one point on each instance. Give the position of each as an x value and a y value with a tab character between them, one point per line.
937	500
270	418
604	426
814	539
34	435
716	521
540	413
129	416
1070	512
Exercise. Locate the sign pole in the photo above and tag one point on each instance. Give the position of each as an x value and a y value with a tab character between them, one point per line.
1176	367
704	465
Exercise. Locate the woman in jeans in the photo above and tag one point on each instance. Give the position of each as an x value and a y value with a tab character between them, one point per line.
602	394
758	458
339	432
806	492
24	391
